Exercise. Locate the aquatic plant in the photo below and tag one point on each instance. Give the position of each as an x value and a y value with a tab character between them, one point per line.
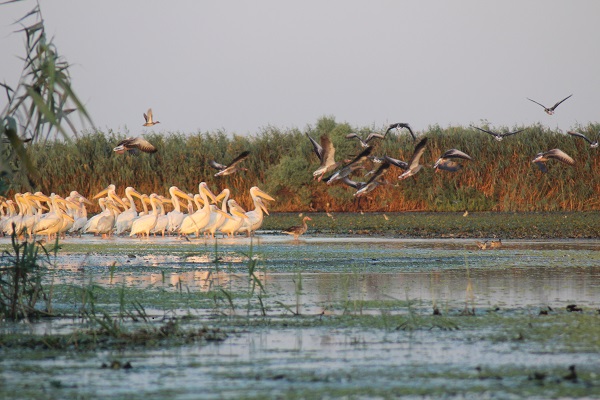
21	273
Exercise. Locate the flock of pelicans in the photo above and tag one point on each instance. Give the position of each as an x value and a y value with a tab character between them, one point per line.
27	215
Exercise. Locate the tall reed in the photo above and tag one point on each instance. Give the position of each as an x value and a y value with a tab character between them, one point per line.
501	176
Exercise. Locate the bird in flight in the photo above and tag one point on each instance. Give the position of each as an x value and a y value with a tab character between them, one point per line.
232	167
557	154
446	163
593	144
413	164
550	110
148	118
399	125
365	143
132	144
496	135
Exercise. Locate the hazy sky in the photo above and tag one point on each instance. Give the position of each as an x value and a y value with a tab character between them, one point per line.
243	65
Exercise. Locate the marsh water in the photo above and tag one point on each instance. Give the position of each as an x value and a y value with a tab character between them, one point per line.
337	317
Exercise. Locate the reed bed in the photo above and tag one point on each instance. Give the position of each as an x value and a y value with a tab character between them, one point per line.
501	176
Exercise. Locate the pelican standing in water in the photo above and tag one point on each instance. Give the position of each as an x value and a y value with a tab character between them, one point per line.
126	218
176	216
217	218
195	222
557	154
298	230
53	220
143	225
238	215
255	217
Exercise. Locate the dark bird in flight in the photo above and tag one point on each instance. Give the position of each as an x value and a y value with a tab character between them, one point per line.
365	143
352	166
399	125
496	135
326	153
557	154
231	167
446	162
133	144
371	184
550	110
593	144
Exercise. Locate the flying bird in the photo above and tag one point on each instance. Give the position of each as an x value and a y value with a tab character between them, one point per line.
550	110
365	143
593	144
399	125
232	167
148	118
496	135
446	162
413	164
326	153
371	184
132	144
557	154
350	167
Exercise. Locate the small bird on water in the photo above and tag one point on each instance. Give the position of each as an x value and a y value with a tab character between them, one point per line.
298	230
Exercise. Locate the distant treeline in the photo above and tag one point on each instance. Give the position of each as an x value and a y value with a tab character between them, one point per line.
501	176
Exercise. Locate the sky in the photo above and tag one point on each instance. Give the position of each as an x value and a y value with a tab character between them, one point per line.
241	66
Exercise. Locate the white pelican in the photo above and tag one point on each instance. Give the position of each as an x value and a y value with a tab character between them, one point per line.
148	119
80	218
255	217
232	167
162	221
298	230
126	218
217	217
11	211
52	221
144	224
557	154
13	224
91	224
194	223
106	222
550	110
33	212
238	215
175	217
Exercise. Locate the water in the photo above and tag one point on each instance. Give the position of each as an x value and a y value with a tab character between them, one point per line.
336	284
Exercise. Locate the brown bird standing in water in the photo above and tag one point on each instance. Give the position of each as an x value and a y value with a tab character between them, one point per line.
298	230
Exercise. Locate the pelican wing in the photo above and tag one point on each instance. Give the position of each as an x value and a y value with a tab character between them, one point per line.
560	155
556	105
419	150
317	147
